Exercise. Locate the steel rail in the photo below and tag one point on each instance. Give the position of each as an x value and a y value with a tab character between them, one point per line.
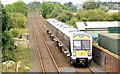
66	57
48	49
38	50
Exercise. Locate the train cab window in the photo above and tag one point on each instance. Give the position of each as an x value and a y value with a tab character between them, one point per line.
81	44
77	44
85	44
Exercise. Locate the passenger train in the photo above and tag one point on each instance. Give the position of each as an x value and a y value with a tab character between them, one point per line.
75	44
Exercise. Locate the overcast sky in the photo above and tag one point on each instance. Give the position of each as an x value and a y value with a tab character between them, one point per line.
61	1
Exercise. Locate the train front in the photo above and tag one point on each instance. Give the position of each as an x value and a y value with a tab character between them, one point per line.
81	48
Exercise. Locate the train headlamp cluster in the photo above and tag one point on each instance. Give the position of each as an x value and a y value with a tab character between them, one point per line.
81	36
89	53
74	53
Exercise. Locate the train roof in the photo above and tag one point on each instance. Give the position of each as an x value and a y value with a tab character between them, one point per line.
64	28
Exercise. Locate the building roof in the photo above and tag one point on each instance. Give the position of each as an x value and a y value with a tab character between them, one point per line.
96	25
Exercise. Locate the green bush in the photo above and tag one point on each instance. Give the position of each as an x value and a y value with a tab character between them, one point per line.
17	7
84	19
94	15
47	9
17	20
15	33
65	16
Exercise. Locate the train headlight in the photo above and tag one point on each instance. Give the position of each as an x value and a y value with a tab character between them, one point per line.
89	53
74	53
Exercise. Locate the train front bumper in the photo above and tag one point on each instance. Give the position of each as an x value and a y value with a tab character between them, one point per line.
76	59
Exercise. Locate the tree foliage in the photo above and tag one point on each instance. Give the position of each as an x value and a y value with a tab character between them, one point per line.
115	16
57	10
17	20
47	9
8	46
5	20
12	16
94	15
35	6
72	9
65	16
69	4
104	8
17	7
63	6
91	4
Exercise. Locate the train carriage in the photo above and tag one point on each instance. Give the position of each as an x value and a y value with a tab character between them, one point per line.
77	44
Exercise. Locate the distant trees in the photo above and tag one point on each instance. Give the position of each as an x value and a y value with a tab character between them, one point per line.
115	16
72	9
47	9
68	13
57	10
94	15
17	7
35	7
63	6
91	4
69	4
13	16
104	8
17	20
65	16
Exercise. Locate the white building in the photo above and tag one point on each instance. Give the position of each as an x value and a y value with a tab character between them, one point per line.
96	26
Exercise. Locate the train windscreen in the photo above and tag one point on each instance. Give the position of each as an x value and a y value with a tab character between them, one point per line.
81	44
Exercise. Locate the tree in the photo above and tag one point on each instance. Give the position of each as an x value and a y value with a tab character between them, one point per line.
65	16
72	9
17	7
57	10
91	4
104	8
63	6
115	16
69	4
8	46
94	15
35	6
78	16
47	9
111	6
5	20
79	10
17	20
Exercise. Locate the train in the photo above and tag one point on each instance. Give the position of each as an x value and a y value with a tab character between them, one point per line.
75	44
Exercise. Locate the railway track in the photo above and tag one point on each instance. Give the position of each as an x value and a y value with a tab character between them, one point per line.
43	22
38	35
39	26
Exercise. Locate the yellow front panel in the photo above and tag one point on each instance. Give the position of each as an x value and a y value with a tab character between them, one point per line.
84	38
82	52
